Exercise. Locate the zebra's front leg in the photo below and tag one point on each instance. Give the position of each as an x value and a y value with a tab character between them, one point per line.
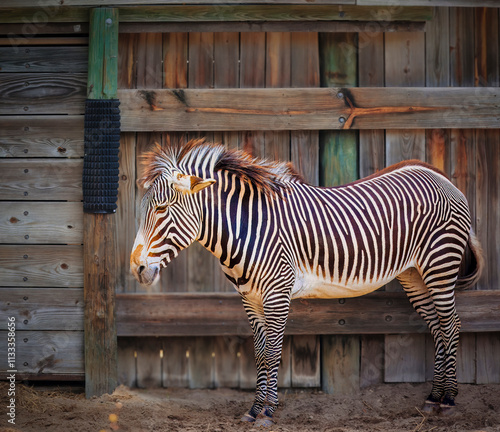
255	312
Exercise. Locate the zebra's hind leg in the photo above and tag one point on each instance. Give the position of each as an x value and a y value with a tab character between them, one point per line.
423	304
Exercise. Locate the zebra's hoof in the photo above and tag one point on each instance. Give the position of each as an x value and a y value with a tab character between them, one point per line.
247	417
447	410
431	407
264	422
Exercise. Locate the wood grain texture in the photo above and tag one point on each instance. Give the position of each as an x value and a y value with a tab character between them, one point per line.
219	314
41	266
340	374
41	309
42	93
149	362
307	109
46	353
44	59
461	47
41	222
41	136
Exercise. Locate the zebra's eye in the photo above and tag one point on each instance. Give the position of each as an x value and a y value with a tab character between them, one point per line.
161	207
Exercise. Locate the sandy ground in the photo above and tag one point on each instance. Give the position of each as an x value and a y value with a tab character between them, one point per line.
388	408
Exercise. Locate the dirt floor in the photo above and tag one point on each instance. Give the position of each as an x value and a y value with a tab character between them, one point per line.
388	408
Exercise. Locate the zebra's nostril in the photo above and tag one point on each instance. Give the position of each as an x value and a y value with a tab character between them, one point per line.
140	269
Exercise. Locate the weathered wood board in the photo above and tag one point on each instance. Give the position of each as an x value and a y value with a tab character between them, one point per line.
26	266
42	93
26	222
45	353
41	179
307	108
210	314
41	136
36	309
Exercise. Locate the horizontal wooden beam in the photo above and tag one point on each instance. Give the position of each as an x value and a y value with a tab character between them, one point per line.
216	314
275	26
220	12
308	109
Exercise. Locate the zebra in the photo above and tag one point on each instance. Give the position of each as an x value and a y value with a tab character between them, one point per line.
279	238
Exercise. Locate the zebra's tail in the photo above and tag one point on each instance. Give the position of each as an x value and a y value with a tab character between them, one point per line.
472	264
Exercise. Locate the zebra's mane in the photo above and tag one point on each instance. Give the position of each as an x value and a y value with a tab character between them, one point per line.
269	177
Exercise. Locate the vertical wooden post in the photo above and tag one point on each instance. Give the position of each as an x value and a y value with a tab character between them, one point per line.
99	246
338	164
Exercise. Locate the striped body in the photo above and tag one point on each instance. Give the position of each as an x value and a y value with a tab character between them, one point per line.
278	238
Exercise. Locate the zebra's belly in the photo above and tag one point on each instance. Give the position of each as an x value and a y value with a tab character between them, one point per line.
312	286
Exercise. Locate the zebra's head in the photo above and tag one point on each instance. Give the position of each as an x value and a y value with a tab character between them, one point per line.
169	221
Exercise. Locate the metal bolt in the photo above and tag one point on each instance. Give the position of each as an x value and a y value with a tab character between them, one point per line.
26	213
341	301
25	278
109	21
341	322
26	170
25	322
26	108
25	298
389	302
25	150
341	120
25	340
26	128
388	318
26	236
25	194
25	257
341	14
25	363
340	95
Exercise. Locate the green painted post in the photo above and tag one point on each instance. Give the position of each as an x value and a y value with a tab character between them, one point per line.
98	242
338	160
338	156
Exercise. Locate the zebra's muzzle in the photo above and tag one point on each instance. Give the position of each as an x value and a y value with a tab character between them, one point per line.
147	275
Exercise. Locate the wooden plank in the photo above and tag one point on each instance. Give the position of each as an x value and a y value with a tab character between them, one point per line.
372	360
61	29
127	362
461	47
149	362
44	59
461	3
201	362
340	375
19	42
437	49
285	367
405	358
41	179
488	366
466	358
149	57
25	3
365	27
41	222
36	309
308	109
176	362
219	314
41	266
487	203
125	224
42	93
306	354
268	12
486	47
248	370
45	353
41	136
252	75
227	362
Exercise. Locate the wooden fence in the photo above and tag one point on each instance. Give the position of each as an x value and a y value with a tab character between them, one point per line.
279	89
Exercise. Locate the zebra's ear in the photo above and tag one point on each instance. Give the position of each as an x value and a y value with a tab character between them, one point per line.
189	184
